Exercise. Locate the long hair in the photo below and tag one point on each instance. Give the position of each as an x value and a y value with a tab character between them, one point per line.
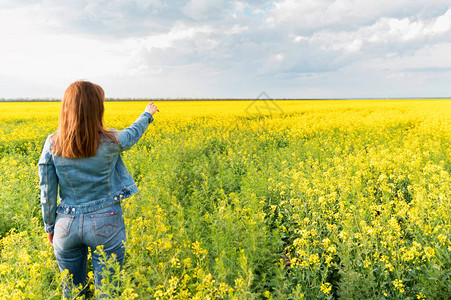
81	121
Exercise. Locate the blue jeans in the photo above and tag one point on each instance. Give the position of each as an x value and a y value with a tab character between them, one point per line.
75	233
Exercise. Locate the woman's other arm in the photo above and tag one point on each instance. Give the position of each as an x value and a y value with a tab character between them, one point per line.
48	183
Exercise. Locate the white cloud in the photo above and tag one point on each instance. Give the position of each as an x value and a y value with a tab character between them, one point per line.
385	31
442	24
203	9
310	15
179	32
236	29
426	58
32	54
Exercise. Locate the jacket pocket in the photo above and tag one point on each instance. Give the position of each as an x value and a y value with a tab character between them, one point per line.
105	224
63	224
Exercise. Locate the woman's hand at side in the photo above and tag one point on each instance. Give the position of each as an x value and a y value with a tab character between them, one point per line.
50	236
151	108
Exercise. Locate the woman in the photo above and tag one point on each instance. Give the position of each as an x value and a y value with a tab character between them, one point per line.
83	159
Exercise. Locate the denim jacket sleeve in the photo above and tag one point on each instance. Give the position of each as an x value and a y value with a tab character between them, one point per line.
48	183
130	135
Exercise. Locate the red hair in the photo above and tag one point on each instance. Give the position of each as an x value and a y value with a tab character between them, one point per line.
81	121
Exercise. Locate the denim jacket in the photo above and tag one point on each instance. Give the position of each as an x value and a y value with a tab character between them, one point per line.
90	183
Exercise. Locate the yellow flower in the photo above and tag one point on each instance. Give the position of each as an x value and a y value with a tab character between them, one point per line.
442	238
326	287
429	252
313	259
398	285
421	296
325	243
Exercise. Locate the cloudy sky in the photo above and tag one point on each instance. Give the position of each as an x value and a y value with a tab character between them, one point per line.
216	48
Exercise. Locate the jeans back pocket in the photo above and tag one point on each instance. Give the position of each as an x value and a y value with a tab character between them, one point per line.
105	224
62	225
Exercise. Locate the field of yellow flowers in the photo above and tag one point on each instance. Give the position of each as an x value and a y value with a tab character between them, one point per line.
255	200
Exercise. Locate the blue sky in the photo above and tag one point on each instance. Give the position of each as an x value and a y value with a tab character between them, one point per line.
215	48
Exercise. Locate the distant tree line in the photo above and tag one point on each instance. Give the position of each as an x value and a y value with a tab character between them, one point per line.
215	99
142	99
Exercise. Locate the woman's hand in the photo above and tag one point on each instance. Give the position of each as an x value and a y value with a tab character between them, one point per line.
151	108
50	236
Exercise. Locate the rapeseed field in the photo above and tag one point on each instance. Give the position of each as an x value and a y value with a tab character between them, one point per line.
254	200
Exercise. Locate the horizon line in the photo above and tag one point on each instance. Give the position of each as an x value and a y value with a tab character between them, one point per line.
229	99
